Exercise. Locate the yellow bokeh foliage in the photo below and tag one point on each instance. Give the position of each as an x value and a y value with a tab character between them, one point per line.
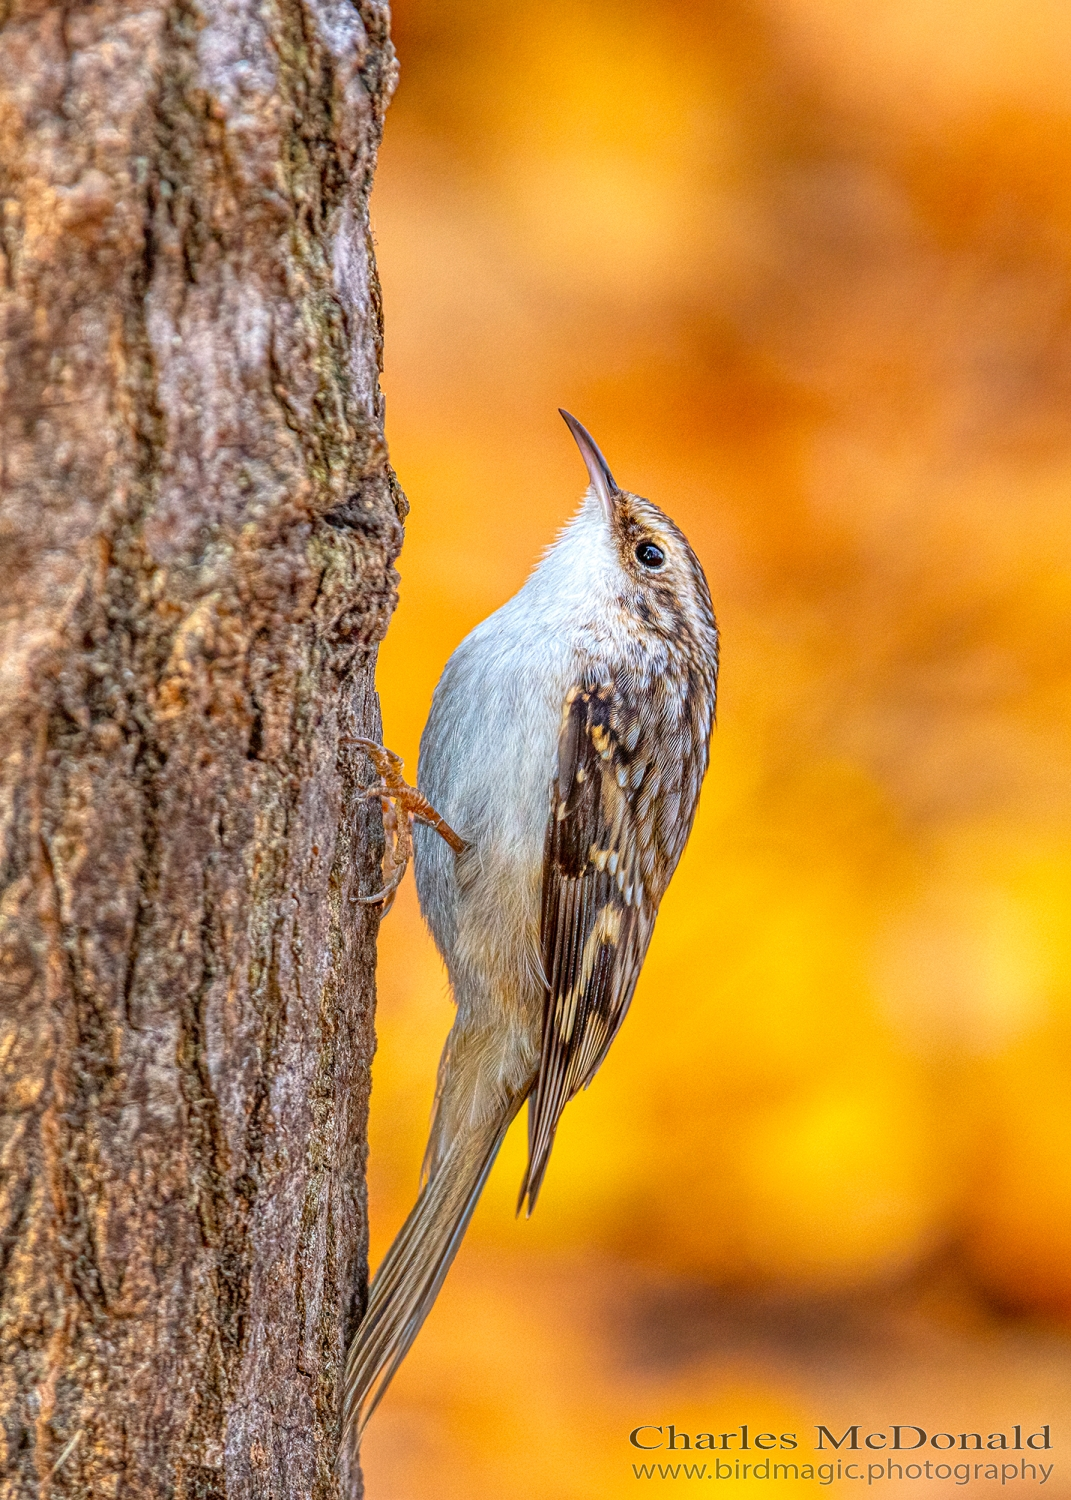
804	268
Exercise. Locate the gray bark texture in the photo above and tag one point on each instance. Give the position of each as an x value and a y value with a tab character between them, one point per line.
197	539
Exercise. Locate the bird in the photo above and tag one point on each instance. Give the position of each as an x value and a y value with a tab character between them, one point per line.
558	778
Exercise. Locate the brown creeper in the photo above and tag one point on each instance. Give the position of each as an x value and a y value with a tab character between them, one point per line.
566	744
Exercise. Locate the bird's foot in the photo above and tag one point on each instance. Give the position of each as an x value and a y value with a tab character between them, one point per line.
395	794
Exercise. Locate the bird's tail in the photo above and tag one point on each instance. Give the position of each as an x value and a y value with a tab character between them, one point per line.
408	1281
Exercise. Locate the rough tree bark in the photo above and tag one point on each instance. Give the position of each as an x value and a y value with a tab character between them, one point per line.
196	563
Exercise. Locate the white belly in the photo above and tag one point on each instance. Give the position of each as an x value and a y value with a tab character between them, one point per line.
487	759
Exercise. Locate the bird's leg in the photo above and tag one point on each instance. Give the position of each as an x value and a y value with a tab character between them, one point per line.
395	794
394	789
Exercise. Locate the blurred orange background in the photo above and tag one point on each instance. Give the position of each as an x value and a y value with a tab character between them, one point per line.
804	268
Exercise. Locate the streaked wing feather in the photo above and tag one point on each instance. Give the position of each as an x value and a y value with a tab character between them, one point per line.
600	893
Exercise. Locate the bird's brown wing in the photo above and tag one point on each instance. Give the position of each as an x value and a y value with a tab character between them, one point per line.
604	871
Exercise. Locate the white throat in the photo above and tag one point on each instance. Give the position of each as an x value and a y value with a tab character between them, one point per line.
579	577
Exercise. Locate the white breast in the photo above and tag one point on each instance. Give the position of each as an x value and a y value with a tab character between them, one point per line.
488	754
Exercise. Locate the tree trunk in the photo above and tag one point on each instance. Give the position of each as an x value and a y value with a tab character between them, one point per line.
196	565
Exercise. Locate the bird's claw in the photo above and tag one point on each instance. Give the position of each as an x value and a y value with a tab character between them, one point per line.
394	792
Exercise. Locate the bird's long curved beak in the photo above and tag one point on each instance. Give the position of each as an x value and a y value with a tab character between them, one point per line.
603	481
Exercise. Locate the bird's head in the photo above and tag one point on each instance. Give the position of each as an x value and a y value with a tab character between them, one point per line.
657	577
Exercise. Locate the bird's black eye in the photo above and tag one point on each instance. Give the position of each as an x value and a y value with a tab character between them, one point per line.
649	555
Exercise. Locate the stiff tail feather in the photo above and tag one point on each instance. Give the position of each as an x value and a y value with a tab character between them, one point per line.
415	1266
